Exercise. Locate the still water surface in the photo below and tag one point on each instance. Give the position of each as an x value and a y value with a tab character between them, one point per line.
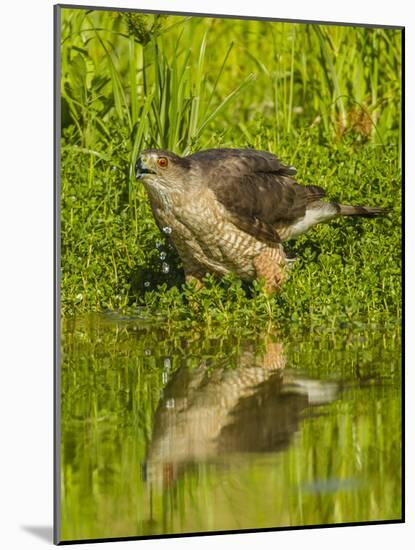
179	432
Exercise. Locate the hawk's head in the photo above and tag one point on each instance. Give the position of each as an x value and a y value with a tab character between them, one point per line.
158	166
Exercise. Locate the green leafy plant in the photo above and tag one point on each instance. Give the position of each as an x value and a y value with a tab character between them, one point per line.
324	98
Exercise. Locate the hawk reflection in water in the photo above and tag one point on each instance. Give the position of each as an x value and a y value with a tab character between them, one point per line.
229	210
213	412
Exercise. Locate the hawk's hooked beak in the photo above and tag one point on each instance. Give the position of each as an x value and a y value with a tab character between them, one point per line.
141	170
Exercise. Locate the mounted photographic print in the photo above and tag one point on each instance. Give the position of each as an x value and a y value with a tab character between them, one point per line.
228	274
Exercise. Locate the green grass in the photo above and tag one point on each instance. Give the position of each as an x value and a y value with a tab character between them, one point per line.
326	99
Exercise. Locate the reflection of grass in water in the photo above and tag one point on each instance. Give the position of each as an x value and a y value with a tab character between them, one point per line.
326	99
111	388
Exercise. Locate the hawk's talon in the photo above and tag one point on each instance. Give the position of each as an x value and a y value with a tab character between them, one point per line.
194	280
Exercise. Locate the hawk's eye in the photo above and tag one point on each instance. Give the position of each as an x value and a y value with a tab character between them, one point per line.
162	162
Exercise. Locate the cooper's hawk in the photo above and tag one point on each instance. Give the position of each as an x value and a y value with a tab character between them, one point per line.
210	411
229	210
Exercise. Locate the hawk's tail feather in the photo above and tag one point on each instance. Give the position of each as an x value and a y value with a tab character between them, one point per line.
314	193
363	211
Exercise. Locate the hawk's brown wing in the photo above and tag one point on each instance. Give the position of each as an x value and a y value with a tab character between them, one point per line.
256	189
236	162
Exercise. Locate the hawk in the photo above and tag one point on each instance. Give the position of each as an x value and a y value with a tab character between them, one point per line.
230	210
210	411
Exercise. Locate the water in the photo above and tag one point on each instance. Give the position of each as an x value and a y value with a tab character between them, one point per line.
169	432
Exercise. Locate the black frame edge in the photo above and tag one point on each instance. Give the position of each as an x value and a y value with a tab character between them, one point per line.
56	269
229	16
233	532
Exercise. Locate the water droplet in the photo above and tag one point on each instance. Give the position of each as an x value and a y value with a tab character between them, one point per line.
170	403
167	230
163	255
147	283
164	377
147	352
158	244
167	363
79	297
165	268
